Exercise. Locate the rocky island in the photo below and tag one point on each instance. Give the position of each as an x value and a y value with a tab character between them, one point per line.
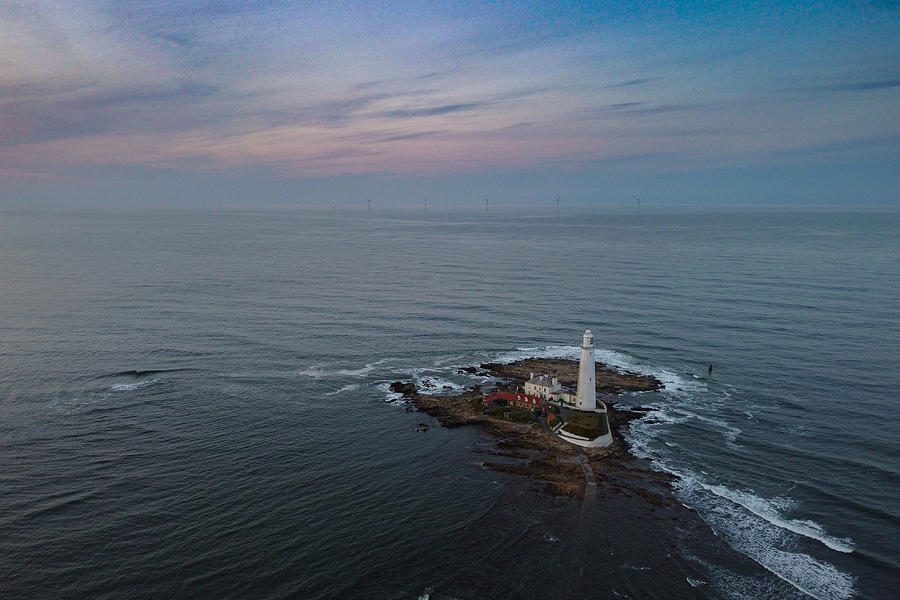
613	499
526	445
567	448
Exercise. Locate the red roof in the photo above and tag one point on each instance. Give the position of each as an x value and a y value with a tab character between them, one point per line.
518	397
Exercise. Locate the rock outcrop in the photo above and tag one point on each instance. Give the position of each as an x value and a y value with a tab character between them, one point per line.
609	381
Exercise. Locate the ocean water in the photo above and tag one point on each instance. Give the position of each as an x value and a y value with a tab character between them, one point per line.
196	404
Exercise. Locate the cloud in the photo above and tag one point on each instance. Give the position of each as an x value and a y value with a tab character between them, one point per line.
631	82
341	153
18	174
225	85
180	40
641	108
624	105
32	91
432	111
519	125
145	94
492	100
338	110
40	112
367	85
434	74
889	142
405	136
861	86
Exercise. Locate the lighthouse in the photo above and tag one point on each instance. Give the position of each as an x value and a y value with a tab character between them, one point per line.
587	388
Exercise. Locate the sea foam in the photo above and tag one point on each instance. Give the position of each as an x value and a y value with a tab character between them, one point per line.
759	534
769	511
347	388
323	371
130	387
670	380
389	396
753	525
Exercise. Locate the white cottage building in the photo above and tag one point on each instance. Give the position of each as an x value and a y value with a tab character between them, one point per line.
543	386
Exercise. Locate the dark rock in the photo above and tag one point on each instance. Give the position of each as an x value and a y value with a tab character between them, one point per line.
407	389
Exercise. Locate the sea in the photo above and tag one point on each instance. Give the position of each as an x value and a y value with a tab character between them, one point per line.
196	403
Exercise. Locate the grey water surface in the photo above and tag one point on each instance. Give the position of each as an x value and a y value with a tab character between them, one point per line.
195	403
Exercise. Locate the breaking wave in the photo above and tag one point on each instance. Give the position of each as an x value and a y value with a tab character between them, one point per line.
143	372
752	525
432	385
389	396
130	387
323	371
671	381
347	388
751	532
769	511
570	352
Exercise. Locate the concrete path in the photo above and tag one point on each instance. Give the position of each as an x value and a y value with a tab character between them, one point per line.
582	526
582	532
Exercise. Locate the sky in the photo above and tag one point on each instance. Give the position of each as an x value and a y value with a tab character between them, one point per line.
252	103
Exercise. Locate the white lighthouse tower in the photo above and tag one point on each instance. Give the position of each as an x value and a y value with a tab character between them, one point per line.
587	388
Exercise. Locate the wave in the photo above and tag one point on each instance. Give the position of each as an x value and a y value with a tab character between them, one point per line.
671	381
435	386
755	537
752	525
695	582
141	372
389	396
130	387
756	528
347	388
768	510
447	360
434	381
729	584
730	432
571	352
52	503
641	433
319	372
323	371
